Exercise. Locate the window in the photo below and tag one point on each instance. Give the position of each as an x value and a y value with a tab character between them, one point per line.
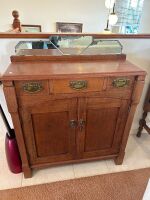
134	4
129	15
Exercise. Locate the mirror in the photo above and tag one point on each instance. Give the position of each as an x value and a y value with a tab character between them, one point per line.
69	45
86	16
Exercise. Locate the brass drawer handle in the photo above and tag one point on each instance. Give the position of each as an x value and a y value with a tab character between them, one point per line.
120	82
78	85
32	87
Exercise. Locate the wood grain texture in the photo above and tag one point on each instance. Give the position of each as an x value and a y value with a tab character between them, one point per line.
105	121
97	35
63	86
57	70
53	55
47	130
101	116
10	96
137	91
20	88
11	102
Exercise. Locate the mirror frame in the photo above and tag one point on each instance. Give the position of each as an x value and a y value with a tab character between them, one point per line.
8	35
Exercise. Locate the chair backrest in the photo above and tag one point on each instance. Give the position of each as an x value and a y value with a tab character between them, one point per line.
147	101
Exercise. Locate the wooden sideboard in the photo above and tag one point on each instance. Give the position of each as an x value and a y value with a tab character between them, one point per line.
73	110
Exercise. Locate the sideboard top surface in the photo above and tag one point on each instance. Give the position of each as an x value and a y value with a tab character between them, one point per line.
59	69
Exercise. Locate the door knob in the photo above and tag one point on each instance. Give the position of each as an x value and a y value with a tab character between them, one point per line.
73	123
81	124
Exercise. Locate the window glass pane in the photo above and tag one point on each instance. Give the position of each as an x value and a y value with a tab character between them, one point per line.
134	4
129	15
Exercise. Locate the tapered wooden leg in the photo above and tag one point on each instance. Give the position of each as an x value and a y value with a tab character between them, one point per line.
27	172
119	159
142	123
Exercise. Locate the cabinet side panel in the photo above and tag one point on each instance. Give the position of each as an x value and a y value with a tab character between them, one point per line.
11	100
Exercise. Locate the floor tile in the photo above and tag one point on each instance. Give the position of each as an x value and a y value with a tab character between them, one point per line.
7	179
137	155
112	167
90	169
2	148
138	152
51	174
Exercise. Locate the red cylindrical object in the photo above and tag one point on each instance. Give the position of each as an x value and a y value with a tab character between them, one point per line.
12	154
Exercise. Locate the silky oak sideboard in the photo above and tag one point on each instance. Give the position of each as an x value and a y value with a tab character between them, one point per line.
71	109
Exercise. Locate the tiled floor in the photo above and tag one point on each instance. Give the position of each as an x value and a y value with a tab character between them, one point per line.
137	156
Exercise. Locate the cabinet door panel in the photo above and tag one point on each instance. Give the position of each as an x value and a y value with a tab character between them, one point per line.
105	120
47	132
100	129
51	140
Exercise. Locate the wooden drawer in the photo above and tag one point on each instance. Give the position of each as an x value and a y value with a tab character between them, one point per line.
77	85
120	87
32	87
120	83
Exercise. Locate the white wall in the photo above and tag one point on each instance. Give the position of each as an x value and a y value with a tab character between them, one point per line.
145	25
92	13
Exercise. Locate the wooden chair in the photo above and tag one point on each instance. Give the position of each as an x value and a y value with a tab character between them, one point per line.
146	109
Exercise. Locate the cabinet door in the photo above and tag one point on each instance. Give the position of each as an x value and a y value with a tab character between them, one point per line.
102	122
48	133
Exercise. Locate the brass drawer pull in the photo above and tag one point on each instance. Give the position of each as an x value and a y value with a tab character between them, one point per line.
32	87
120	82
78	85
